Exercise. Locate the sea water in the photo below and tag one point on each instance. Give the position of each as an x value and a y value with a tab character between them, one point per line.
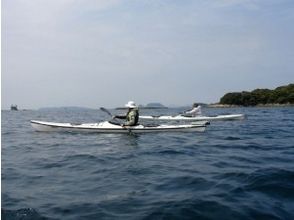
234	170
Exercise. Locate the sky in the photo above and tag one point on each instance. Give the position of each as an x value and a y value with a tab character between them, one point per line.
106	52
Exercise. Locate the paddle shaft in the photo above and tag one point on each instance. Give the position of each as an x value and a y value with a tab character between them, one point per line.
108	112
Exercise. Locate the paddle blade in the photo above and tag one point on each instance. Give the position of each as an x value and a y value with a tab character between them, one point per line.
105	110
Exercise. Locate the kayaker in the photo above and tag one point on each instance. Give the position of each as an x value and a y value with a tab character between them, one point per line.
132	116
195	111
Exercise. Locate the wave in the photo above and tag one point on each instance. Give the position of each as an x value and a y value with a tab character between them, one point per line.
22	214
193	209
273	182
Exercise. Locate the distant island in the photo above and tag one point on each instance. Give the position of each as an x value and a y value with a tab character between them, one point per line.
154	105
64	108
283	95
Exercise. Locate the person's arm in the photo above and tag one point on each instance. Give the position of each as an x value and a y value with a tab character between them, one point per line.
199	109
120	116
188	111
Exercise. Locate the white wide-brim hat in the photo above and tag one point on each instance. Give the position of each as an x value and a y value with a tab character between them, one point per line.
131	104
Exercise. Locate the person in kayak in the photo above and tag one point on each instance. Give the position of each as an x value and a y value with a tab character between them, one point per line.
195	111
132	116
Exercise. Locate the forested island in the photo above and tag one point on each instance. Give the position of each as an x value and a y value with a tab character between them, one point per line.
281	95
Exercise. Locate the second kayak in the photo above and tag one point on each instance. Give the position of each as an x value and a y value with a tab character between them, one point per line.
197	118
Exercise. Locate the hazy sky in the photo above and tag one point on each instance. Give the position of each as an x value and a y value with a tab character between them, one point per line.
96	53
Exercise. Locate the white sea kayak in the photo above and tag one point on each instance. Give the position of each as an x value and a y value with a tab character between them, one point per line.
107	127
197	118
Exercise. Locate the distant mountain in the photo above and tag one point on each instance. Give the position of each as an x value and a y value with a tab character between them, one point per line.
155	105
64	108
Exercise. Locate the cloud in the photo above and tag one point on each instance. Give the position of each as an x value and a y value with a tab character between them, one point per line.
168	51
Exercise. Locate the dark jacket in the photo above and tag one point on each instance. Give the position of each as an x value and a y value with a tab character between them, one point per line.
132	117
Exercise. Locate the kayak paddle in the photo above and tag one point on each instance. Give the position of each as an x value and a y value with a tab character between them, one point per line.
108	112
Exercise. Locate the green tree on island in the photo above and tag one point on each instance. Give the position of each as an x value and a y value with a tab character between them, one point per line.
280	95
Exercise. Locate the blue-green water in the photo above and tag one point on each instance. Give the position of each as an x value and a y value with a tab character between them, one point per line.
234	170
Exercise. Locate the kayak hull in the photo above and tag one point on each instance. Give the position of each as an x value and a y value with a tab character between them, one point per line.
107	127
197	118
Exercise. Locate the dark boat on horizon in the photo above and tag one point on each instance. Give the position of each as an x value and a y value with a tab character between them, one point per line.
13	108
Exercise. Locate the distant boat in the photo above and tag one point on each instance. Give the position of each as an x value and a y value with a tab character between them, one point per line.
13	108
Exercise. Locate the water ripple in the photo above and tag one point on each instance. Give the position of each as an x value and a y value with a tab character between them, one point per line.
234	170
